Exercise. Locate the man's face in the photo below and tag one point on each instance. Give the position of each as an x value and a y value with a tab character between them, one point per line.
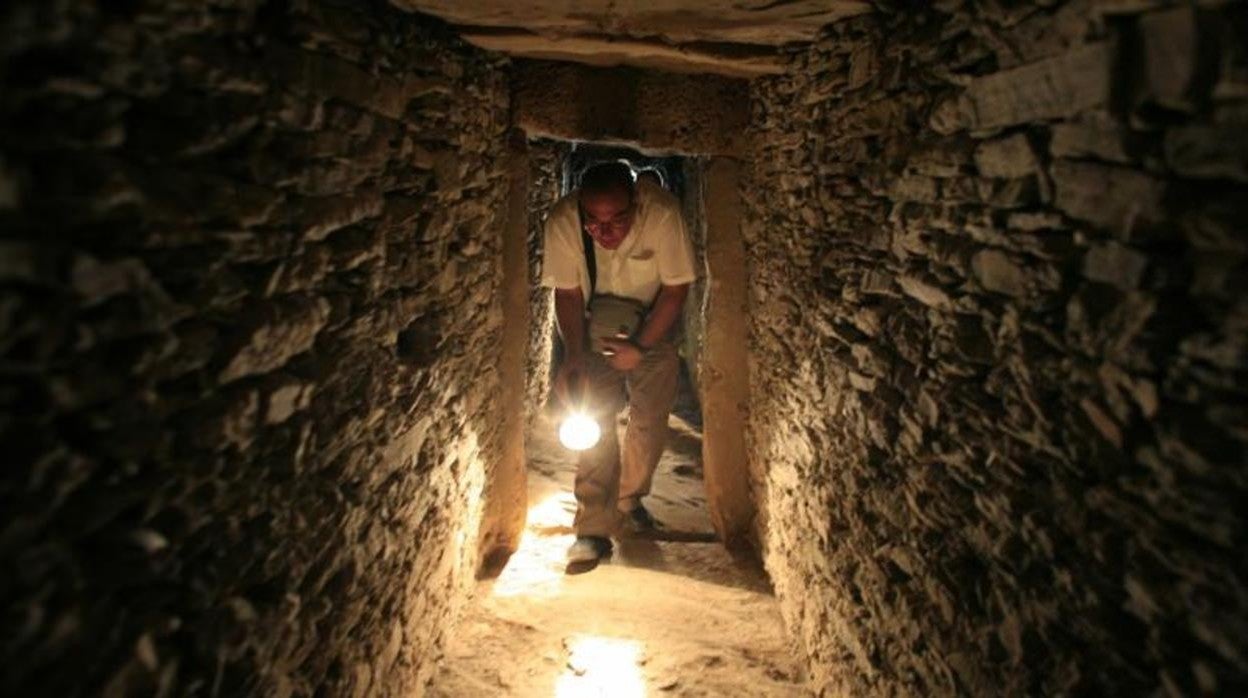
608	216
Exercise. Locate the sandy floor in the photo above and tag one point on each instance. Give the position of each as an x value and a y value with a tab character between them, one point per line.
673	614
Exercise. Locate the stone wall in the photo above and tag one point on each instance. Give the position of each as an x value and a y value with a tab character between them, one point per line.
651	110
999	341
249	261
546	158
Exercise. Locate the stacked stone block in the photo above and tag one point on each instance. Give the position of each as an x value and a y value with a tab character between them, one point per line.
249	261
999	353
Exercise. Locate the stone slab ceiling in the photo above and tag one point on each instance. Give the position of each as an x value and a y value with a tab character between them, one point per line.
729	37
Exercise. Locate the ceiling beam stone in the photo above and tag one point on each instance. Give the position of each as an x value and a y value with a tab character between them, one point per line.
736	38
759	22
733	61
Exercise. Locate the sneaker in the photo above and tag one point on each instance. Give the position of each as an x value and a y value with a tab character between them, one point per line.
589	549
639	520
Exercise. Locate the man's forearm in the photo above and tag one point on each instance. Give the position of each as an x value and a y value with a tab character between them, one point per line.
570	314
664	314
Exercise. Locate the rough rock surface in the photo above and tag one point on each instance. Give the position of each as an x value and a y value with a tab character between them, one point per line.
652	111
545	186
999	356
248	296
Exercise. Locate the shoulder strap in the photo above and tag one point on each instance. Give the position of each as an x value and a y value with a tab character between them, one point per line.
587	246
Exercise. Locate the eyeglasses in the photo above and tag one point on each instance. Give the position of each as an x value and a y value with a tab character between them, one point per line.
617	222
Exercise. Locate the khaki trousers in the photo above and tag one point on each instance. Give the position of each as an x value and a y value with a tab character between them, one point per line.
606	482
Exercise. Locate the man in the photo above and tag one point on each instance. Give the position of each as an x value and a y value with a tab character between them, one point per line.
641	254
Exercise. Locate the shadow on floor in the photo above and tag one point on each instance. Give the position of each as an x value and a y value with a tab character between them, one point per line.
702	560
677	536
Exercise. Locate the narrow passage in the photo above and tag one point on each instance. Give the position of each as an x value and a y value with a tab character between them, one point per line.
673	614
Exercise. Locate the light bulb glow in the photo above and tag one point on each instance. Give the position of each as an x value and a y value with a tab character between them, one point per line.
578	432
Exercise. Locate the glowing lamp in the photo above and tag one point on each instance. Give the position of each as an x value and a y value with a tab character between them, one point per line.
578	432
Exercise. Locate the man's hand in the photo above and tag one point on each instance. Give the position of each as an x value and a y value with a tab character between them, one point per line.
571	382
621	353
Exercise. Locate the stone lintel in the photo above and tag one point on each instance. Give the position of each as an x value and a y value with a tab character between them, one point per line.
606	51
653	111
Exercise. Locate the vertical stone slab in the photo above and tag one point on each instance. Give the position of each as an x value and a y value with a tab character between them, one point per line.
695	307
506	493
725	379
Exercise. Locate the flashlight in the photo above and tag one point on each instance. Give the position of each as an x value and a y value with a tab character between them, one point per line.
579	432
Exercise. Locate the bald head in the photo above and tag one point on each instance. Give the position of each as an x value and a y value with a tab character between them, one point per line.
607	178
606	203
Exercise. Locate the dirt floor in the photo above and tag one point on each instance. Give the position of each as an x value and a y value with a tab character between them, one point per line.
670	614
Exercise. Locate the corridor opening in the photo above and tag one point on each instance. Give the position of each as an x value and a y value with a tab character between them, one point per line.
712	379
533	629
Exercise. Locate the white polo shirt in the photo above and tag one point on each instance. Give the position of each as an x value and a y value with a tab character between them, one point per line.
657	250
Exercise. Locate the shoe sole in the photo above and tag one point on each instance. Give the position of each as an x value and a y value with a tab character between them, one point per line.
574	568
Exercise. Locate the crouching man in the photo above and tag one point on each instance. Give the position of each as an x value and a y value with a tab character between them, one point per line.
619	258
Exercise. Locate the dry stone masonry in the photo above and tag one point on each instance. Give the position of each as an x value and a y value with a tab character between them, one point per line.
991	262
999	348
249	270
660	113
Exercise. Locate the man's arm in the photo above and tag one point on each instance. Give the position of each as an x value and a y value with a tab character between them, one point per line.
666	311
625	354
